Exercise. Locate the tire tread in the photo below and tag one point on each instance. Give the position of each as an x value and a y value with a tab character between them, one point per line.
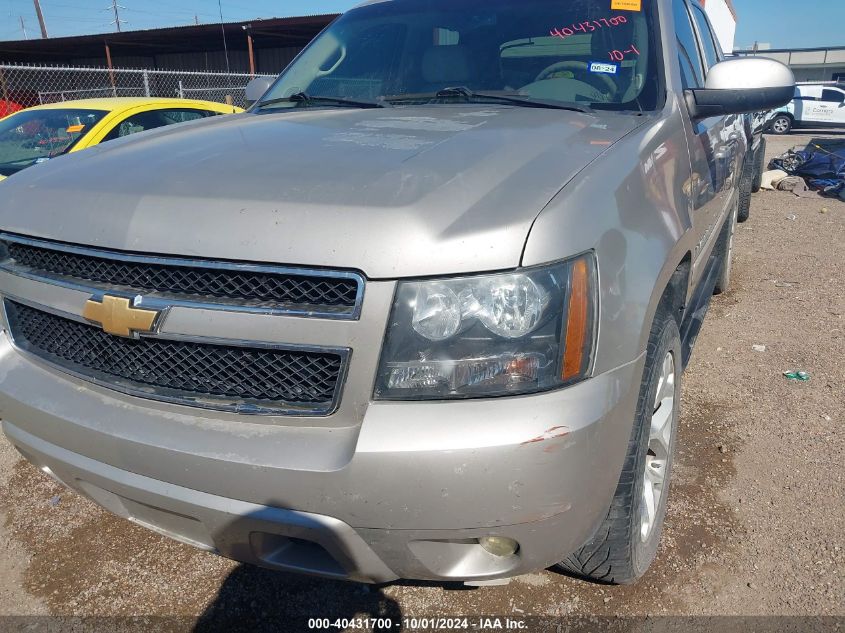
608	558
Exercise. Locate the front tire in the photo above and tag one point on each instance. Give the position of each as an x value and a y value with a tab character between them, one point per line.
626	543
782	124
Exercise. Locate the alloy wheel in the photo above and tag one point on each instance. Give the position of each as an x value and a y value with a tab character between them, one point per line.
655	483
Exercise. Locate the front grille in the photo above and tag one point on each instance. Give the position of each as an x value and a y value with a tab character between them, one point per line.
242	379
195	280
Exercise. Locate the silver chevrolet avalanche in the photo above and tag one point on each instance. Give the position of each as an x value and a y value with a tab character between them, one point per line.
421	312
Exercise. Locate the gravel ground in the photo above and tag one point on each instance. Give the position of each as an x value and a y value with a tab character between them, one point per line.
755	523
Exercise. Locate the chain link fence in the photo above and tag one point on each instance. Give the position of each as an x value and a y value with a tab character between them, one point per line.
26	86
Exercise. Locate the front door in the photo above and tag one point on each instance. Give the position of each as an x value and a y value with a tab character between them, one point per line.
714	143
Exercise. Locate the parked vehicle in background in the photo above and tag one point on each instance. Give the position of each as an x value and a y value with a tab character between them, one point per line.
36	135
815	105
433	323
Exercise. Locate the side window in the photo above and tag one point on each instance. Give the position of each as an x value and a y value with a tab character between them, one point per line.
833	95
688	55
711	54
155	118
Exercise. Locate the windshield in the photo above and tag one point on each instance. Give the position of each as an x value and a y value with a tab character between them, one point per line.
580	52
33	136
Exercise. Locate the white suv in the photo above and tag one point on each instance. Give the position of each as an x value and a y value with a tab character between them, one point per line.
814	105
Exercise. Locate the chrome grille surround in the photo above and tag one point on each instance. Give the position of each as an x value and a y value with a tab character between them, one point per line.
175	281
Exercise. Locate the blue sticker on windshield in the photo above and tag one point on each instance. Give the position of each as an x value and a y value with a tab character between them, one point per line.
604	68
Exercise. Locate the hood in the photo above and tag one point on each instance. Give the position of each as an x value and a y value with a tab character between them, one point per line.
397	192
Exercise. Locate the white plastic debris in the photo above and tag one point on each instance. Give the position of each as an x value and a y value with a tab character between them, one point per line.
772	178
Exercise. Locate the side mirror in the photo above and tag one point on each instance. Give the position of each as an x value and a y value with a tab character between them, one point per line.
737	86
256	89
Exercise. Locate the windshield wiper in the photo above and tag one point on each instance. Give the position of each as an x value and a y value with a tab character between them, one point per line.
306	99
467	94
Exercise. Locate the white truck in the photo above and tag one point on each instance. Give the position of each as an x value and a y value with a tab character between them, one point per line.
816	105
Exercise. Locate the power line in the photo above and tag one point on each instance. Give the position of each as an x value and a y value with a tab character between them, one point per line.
225	48
223	29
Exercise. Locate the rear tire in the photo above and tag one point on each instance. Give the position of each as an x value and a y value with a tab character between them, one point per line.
626	543
723	283
759	166
782	124
746	184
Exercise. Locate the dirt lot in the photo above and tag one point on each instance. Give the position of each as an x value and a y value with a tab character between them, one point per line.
756	523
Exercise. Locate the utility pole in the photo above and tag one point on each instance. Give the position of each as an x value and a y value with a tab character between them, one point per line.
250	48
23	28
40	19
115	6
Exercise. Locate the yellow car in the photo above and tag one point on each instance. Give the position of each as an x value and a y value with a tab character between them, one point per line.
38	134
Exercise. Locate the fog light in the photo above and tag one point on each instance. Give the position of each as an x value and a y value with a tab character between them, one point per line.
499	545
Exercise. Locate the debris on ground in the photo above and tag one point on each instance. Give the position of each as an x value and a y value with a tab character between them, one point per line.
800	376
772	178
821	165
758	348
796	185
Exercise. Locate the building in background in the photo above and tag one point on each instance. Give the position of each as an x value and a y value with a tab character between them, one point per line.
723	16
258	46
808	64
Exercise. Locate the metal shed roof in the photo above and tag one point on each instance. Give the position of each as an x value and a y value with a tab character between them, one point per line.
268	33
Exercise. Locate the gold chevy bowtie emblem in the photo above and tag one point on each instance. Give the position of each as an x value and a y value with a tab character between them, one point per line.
118	317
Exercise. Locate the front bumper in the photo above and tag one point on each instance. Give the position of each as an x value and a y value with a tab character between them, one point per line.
405	493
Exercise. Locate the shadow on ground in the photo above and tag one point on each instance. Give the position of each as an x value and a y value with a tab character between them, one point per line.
256	599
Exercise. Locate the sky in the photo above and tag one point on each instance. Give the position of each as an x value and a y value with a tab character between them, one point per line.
781	23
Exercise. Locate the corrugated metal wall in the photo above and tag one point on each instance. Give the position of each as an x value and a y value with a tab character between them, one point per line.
274	60
118	62
268	60
211	60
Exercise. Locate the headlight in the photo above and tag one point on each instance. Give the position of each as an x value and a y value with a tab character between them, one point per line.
491	335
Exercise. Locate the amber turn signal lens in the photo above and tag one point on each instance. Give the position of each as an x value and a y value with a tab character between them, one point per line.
577	324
